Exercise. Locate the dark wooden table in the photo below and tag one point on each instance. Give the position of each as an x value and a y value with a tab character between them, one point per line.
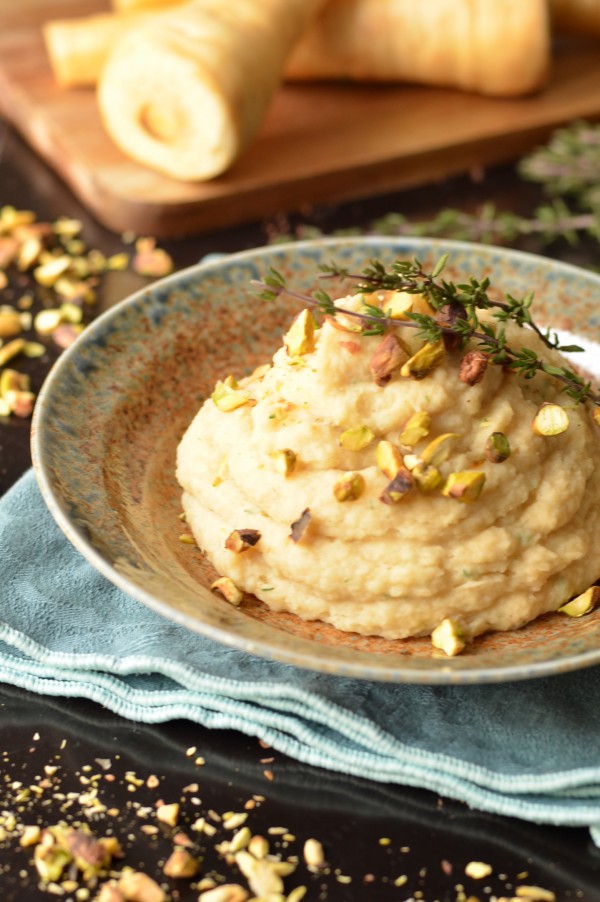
381	842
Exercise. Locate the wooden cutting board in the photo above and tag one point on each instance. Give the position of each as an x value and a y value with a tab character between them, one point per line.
318	143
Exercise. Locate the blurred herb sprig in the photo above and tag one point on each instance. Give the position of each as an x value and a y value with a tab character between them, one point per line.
568	170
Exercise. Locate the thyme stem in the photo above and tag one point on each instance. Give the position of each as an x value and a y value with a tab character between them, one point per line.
464	300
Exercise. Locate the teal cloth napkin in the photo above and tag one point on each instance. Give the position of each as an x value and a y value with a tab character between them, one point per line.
527	749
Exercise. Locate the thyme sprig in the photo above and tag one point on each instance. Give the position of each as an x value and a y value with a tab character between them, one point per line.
456	314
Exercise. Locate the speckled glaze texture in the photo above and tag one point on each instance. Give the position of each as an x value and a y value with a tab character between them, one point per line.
110	416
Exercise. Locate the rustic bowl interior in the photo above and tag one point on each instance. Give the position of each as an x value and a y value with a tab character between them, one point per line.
112	411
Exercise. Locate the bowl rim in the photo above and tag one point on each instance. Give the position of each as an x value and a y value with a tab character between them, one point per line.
386	670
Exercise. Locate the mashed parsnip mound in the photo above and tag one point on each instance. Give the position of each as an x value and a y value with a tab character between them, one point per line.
378	502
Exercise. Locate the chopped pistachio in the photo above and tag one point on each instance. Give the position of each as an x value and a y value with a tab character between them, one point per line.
65	334
582	604
477	870
411	461
314	855
46	321
47	273
138	887
349	487
473	366
389	459
30	836
33	349
258	846
464	485
186	539
70	312
12	349
168	814
150	260
50	859
181	864
240	540
74	246
424	360
551	419
109	892
5	410
299	526
300	337
426	476
228	590
497	448
222	471
227	398
398	488
13	380
67	227
227	892
10	218
10	322
535	893
260	873
449	637
297	894
416	428
240	840
74	289
118	261
396	304
284	461
438	450
389	355
356	438
20	402
234	819
29	252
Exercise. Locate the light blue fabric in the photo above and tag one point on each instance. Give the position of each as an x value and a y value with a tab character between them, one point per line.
527	749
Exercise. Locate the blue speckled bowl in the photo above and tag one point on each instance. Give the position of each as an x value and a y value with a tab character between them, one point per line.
112	411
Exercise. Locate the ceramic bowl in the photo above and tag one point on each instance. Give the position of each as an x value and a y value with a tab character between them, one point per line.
111	413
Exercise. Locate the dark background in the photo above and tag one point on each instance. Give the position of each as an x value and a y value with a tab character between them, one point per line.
430	839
